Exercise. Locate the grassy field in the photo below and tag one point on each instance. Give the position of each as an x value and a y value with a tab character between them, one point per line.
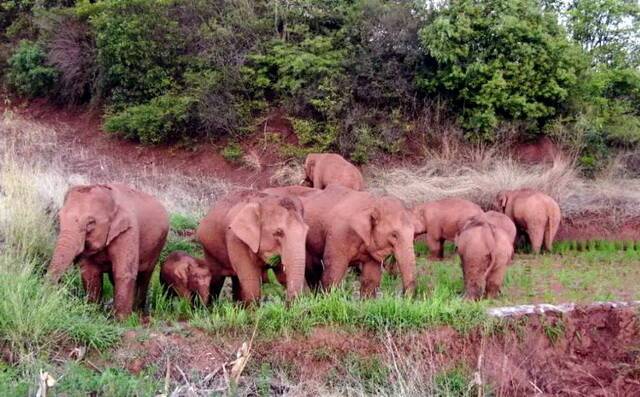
52	329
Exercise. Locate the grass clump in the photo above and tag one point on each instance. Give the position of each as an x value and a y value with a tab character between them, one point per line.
182	222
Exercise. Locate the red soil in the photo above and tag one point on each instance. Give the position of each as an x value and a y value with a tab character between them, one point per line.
594	352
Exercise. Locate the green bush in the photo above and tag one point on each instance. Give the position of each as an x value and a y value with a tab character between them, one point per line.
499	61
28	73
163	119
232	152
138	46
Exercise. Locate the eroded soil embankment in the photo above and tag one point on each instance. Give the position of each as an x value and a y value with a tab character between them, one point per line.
594	352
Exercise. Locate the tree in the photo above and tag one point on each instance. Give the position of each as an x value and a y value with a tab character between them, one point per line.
609	30
498	61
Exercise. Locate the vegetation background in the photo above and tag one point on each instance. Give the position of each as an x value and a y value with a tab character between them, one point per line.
358	77
363	78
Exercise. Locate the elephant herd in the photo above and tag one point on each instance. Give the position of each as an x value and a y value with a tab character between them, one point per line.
309	236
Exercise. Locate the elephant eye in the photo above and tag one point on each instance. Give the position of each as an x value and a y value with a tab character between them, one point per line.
278	233
394	235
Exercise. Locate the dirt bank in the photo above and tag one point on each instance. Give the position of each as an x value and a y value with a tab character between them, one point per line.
587	352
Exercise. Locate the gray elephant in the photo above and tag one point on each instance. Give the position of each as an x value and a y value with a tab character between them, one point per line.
533	212
112	229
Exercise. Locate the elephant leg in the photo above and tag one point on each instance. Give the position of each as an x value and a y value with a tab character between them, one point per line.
91	280
536	235
494	281
474	278
335	267
142	288
435	247
123	252
370	279
249	278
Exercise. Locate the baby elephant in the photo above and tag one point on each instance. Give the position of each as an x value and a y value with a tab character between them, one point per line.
485	251
323	169
186	275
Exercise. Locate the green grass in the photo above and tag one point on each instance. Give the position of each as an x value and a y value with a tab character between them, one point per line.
182	222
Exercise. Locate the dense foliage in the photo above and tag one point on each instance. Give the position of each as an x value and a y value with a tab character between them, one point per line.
355	76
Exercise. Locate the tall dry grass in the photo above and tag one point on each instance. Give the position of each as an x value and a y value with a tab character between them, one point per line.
35	145
479	173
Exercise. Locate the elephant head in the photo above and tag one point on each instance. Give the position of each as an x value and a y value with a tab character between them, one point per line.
388	228
273	226
186	274
89	220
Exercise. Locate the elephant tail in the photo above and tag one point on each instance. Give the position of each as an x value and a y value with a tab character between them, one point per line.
551	227
493	247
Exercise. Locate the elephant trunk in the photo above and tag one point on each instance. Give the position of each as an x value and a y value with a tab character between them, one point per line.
70	244
203	293
406	259
293	260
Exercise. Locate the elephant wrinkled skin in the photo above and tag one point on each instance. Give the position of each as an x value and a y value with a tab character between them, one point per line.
243	232
113	229
323	169
534	212
485	252
441	220
348	227
185	275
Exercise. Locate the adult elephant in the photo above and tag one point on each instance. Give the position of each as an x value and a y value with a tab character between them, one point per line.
348	227
533	212
242	234
442	220
113	229
323	169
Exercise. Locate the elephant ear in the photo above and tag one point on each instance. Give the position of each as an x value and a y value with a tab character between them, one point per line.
246	226
309	165
363	224
120	223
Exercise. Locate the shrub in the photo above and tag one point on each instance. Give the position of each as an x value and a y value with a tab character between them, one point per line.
161	120
28	72
232	152
498	61
71	49
137	48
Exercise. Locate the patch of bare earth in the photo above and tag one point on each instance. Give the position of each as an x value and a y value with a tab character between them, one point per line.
587	352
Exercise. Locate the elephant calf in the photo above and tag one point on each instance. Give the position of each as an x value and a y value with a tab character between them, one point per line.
485	252
323	169
113	229
242	234
534	212
185	275
442	220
